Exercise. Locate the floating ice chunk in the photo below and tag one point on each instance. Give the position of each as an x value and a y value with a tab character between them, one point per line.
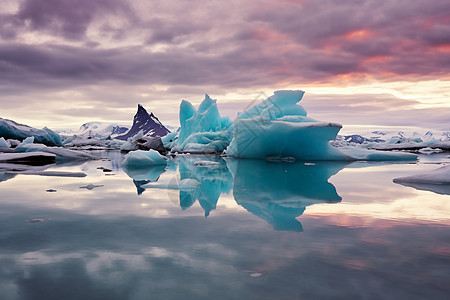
144	158
90	186
429	150
55	173
28	158
4	143
357	153
203	130
438	176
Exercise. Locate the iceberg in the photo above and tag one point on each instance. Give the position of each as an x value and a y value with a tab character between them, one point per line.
203	130
12	130
438	176
437	181
140	158
169	140
4	143
278	128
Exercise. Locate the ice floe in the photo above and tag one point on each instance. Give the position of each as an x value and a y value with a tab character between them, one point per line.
144	158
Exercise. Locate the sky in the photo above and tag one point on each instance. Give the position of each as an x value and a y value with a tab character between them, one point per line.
360	62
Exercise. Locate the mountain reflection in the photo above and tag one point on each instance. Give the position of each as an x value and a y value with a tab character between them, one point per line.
277	192
144	175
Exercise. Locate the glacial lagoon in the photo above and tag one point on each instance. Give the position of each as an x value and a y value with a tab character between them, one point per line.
207	227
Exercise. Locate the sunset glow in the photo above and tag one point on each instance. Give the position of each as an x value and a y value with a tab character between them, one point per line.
88	61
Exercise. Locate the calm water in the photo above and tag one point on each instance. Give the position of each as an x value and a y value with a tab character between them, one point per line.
249	230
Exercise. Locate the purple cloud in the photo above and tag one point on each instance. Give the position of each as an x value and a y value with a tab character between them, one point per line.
54	45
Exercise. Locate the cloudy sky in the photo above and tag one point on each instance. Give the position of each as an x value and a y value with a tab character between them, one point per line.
361	62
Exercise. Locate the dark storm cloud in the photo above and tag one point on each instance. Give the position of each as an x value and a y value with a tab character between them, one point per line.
66	18
98	49
275	42
404	33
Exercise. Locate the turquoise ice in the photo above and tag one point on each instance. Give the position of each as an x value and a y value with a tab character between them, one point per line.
203	130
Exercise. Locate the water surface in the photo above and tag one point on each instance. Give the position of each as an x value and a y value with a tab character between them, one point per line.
248	230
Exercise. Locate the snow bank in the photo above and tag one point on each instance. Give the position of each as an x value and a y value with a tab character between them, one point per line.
140	158
203	130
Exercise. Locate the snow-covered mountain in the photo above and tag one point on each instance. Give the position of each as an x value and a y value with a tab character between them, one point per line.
13	130
101	130
148	123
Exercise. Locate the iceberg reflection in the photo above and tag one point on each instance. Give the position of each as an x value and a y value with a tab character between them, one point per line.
214	179
279	192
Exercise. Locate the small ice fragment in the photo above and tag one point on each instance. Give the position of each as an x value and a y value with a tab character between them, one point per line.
429	150
37	220
256	275
91	186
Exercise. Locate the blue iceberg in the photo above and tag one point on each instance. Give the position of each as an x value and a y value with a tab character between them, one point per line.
280	128
203	130
12	130
4	143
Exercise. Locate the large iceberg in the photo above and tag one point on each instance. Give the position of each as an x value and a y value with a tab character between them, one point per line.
203	130
279	128
12	130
